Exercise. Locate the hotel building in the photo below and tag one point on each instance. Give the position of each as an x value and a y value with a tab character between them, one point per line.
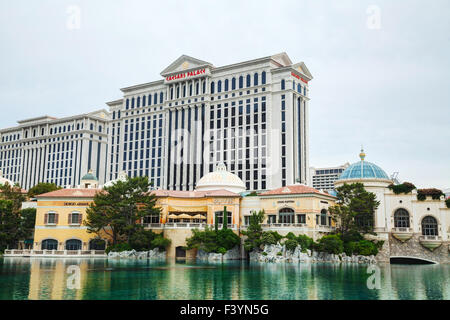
252	116
324	178
48	149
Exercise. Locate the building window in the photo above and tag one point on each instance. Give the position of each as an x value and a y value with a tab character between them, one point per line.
401	218
241	82
51	218
233	84
286	215
219	217
323	217
219	86
75	218
212	87
255	79
248	80
429	226
49	244
263	77
73	244
283	84
301	218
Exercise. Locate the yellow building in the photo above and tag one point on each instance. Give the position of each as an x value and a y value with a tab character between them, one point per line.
299	209
296	208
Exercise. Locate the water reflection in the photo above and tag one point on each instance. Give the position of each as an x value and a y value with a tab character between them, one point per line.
47	279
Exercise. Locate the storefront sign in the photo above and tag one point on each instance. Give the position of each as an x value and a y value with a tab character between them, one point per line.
76	204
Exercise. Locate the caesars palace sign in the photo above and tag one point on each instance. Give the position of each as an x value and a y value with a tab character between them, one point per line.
186	75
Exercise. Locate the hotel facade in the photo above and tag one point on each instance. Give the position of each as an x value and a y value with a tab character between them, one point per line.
60	151
251	115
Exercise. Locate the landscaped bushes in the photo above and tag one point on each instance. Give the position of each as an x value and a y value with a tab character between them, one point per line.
302	240
210	240
405	187
270	237
434	193
330	243
141	240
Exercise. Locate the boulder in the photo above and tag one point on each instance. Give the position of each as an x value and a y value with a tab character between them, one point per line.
232	254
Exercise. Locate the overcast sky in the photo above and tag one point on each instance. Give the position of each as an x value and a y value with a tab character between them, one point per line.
379	80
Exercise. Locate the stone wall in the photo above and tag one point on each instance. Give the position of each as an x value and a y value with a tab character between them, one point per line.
412	248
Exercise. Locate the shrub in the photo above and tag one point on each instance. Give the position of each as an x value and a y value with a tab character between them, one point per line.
305	242
270	237
264	253
331	244
212	240
405	187
141	239
434	193
160	242
222	250
351	248
367	248
447	203
291	244
290	236
279	253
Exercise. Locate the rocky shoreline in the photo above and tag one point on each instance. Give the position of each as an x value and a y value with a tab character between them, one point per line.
278	253
133	254
232	254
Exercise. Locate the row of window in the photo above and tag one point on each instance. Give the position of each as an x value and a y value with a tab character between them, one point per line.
143	101
241	82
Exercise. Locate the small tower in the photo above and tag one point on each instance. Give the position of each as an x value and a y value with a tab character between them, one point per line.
362	155
89	181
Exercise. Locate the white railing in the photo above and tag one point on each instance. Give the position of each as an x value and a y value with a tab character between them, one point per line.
184	225
402	229
430	238
27	253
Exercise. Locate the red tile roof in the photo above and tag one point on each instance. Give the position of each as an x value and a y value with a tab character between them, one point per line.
70	193
295	189
194	194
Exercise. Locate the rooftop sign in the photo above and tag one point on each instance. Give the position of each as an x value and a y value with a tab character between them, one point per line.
186	75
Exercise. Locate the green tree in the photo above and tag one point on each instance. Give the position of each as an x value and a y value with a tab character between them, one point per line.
117	209
330	243
27	222
14	194
254	231
354	209
42	187
9	225
225	218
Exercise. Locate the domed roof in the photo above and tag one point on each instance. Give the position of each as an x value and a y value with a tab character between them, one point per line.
363	170
221	179
89	176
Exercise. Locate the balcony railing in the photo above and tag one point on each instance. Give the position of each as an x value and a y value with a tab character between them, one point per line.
184	225
56	253
430	238
402	229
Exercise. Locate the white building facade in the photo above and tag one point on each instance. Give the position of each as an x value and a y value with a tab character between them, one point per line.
252	116
411	228
60	151
324	178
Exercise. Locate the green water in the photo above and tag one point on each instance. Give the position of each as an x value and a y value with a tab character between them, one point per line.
43	279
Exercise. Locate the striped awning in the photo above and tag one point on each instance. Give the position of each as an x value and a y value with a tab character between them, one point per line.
188	209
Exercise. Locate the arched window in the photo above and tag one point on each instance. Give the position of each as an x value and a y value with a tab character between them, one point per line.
429	226
219	86
286	215
263	77
49	244
212	87
248	80
233	84
204	87
138	102
299	88
73	244
197	88
241	82
184	90
149	99
226	85
255	79
155	98
323	217
132	102
401	218
161	97
127	104
143	101
283	84
190	89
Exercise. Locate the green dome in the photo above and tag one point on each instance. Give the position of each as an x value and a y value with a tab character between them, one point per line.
89	176
363	170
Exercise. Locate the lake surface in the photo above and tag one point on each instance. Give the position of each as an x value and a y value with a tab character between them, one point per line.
85	279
